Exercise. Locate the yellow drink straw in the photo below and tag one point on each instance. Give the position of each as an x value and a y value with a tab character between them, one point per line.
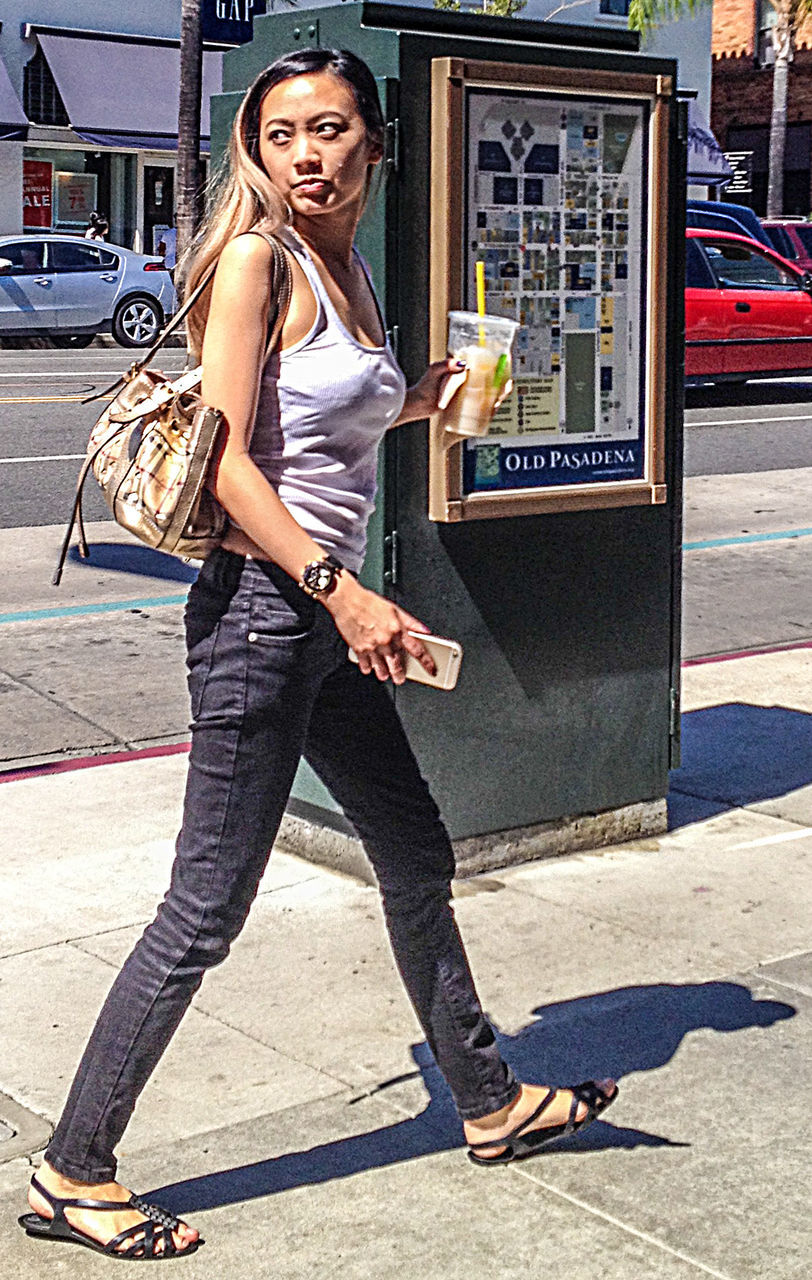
480	298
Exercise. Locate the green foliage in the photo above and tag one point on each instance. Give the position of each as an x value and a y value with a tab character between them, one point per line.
645	15
490	8
502	8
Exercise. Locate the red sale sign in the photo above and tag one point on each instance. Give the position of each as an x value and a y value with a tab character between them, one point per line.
37	188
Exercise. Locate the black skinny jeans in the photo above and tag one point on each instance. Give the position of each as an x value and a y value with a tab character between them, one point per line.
270	680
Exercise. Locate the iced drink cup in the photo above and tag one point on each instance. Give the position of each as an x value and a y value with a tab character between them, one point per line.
484	343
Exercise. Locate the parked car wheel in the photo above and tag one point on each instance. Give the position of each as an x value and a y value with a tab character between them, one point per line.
137	322
71	340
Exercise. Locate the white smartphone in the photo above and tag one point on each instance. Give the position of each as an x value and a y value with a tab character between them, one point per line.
447	655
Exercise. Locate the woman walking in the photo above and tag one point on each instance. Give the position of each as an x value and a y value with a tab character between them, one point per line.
269	621
97	227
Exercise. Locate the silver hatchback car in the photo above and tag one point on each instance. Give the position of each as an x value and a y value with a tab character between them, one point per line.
70	289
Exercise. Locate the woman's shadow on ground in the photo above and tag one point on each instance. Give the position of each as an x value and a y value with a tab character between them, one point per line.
615	1033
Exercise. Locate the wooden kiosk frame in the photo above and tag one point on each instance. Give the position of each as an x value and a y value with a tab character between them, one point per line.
451	77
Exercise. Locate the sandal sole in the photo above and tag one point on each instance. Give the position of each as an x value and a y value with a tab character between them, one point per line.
38	1228
542	1141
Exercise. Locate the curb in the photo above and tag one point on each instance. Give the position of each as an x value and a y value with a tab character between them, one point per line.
104	340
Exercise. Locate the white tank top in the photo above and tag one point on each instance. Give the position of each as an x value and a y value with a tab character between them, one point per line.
324	405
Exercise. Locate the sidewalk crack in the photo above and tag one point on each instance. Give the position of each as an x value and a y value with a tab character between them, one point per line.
777	982
289	1057
584	912
623	1226
63	706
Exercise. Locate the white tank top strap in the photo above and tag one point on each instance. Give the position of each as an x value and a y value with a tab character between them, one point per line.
323	313
323	300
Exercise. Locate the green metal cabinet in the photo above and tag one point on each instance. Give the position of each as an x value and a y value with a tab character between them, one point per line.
568	697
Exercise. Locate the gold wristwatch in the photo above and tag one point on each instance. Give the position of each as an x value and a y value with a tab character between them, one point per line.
319	576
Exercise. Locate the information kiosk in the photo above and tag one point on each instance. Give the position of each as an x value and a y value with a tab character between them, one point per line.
549	548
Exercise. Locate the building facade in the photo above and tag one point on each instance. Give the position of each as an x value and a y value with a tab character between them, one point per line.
89	109
687	39
89	101
742	89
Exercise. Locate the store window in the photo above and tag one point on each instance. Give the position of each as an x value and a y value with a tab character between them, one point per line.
61	187
159	205
41	98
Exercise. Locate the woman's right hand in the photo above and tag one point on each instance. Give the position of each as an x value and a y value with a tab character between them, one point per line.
376	630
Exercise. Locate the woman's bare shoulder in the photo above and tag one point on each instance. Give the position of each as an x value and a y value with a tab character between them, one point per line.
248	253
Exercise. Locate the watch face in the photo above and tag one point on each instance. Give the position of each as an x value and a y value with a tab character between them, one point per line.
318	576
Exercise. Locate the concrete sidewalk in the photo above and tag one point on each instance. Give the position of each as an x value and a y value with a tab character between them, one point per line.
298	1120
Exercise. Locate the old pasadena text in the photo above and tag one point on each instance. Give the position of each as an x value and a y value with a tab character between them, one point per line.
572	458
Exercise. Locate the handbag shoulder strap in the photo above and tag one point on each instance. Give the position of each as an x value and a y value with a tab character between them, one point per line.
282	286
283	289
179	316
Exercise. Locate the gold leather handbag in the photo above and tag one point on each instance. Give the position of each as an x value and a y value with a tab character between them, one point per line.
151	449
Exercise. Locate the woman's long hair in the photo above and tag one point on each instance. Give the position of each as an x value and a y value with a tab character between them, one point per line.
244	196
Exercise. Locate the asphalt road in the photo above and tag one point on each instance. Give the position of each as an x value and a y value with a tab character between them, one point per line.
44	427
758	426
72	669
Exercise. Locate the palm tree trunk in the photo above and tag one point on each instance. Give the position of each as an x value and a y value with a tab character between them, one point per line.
190	190
783	45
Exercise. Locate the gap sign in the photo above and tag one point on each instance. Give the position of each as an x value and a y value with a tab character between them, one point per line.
230	21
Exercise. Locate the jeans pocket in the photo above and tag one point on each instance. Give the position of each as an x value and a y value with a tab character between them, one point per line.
280	612
278	628
199	659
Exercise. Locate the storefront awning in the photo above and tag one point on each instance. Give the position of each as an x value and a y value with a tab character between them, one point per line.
707	165
13	122
124	92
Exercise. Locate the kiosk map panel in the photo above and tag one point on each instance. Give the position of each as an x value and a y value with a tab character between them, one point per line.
556	209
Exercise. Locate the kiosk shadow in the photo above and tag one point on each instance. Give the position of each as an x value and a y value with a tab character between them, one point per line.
125	557
737	754
614	1033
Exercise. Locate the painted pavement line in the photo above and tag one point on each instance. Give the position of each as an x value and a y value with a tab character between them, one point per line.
74	399
735	654
784	837
115	606
128	754
77	610
45	457
623	1226
72	373
748	422
74	763
746	538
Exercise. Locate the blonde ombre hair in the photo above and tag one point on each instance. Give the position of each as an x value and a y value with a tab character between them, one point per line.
245	198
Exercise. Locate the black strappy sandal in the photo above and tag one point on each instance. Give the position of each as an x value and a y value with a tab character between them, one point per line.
145	1239
520	1143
